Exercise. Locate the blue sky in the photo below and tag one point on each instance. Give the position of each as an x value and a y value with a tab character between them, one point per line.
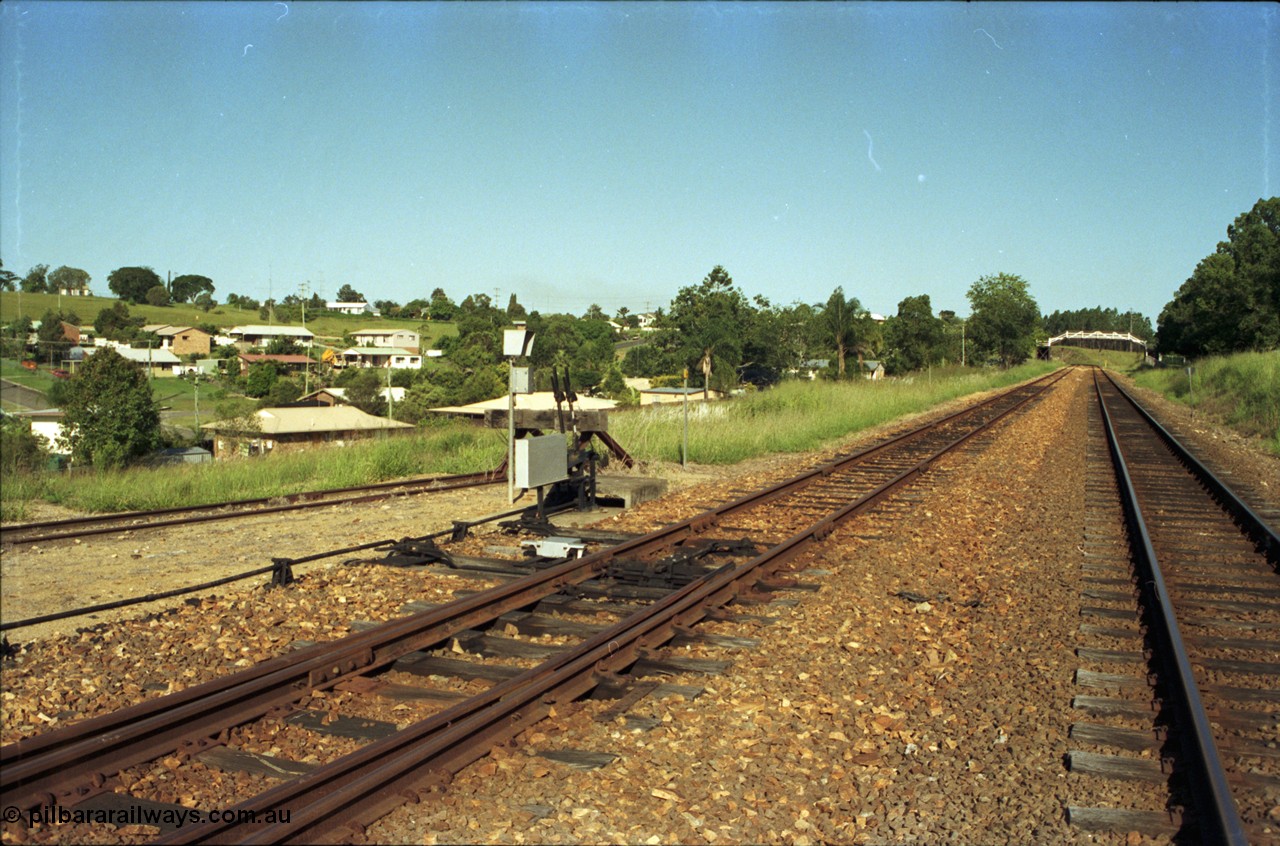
578	153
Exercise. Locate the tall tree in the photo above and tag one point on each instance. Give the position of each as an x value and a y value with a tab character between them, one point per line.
68	279
109	414
347	294
442	308
706	327
914	336
188	286
8	279
1232	300
133	283
515	311
1004	318
36	281
842	318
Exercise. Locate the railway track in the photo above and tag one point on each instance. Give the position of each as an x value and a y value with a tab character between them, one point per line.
80	527
1181	637
678	575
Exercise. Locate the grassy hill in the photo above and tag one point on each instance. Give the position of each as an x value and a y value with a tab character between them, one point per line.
326	325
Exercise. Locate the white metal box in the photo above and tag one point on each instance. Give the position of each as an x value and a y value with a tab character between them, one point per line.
541	460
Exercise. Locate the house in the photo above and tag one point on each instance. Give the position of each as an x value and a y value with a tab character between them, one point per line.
353	308
285	363
403	338
81	290
333	396
182	340
872	369
46	424
291	429
810	368
393	357
657	396
537	400
157	362
259	336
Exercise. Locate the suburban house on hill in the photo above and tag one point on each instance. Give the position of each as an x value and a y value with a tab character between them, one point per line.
289	429
259	336
404	338
393	357
353	308
285	362
334	396
156	362
181	340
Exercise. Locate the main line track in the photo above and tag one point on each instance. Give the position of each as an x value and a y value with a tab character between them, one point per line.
1204	574
68	765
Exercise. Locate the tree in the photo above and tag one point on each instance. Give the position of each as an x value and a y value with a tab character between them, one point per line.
347	294
110	415
1004	318
388	308
51	338
515	311
441	308
188	286
1232	300
133	283
364	391
158	296
115	324
36	282
8	279
914	336
205	301
706	327
260	379
841	321
68	279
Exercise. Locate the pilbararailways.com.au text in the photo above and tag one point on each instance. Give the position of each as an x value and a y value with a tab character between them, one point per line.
140	815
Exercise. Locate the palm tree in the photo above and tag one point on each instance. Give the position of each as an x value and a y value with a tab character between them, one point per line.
840	320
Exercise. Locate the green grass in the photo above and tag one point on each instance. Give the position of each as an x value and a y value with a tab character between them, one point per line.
792	417
796	416
449	448
1241	391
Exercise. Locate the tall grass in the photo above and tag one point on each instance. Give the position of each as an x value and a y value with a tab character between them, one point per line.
452	448
795	416
792	417
1241	391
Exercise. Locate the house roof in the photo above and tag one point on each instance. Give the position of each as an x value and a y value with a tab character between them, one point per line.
156	356
377	351
539	400
396	394
388	331
258	329
324	418
279	358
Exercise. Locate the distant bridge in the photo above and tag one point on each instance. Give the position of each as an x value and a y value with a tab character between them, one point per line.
1102	340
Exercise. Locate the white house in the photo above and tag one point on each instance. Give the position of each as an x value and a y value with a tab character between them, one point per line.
403	338
353	308
393	357
256	335
156	362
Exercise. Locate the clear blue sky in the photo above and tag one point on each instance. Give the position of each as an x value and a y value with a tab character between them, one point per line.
613	153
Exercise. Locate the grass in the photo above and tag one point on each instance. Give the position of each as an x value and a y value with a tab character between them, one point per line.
1241	391
792	417
796	416
449	448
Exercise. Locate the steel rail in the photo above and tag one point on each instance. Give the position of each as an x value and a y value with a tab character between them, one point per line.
1205	764
1254	524
358	788
70	763
88	526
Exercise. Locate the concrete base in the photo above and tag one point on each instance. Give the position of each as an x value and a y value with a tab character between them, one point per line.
632	490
